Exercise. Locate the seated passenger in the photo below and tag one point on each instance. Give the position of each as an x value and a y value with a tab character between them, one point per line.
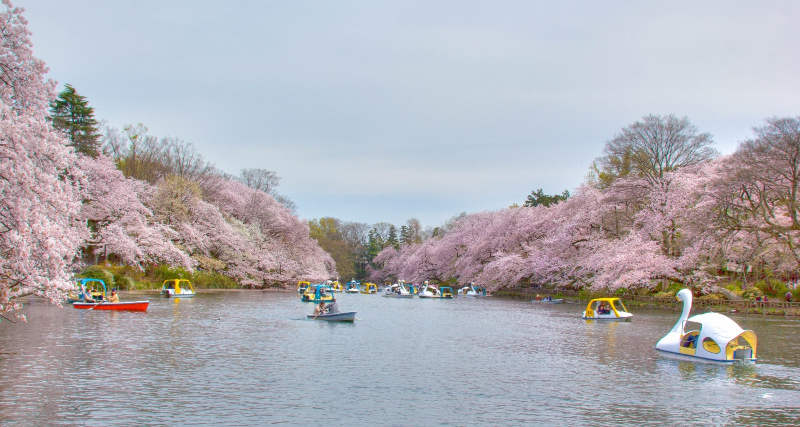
87	296
114	297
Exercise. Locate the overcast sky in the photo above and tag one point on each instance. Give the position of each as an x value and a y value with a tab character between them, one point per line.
387	110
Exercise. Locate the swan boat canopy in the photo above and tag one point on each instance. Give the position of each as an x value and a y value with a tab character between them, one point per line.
606	309
711	336
337	287
178	288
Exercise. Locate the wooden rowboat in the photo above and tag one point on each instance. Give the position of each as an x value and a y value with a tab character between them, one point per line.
119	306
345	316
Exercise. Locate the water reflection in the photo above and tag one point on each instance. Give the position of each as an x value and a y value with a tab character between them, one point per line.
252	358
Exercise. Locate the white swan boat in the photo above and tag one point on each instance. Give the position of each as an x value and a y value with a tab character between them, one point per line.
429	291
710	337
472	291
397	290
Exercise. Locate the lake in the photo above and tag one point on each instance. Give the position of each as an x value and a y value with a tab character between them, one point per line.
252	358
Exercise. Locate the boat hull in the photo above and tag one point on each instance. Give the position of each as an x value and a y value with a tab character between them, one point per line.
116	306
610	319
398	296
685	357
554	301
178	295
347	316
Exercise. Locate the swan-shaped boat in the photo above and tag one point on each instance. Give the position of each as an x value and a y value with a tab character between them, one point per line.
397	290
429	291
717	337
472	290
606	309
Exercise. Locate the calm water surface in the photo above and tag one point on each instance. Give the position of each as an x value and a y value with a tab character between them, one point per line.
251	358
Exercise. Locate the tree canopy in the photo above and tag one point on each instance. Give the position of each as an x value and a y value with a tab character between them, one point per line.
651	147
72	114
539	198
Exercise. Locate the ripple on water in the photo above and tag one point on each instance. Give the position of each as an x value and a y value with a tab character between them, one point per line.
251	358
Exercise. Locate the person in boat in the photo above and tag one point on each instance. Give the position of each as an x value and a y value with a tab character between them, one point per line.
604	308
320	309
87	295
114	296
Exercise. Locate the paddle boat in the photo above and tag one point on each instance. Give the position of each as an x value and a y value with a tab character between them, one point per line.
318	293
369	288
397	290
336	286
472	291
330	312
547	300
94	288
178	288
302	286
118	306
429	291
606	309
707	337
353	287
446	291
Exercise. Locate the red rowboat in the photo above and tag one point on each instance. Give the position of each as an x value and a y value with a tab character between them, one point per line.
124	306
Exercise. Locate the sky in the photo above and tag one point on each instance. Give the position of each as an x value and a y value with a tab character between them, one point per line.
381	111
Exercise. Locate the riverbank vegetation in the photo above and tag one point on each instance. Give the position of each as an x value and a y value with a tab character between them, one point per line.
660	209
146	207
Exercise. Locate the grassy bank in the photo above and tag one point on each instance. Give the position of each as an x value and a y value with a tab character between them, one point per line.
129	278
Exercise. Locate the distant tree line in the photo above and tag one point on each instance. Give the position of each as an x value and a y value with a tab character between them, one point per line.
660	205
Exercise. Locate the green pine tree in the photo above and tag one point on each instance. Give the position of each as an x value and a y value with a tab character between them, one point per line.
404	236
72	114
392	239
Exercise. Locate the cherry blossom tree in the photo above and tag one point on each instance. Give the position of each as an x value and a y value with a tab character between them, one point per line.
39	227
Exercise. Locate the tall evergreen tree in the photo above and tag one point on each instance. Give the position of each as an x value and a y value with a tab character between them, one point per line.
374	244
392	239
404	236
72	114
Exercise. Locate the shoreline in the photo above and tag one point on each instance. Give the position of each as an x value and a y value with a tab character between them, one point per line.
210	290
772	309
